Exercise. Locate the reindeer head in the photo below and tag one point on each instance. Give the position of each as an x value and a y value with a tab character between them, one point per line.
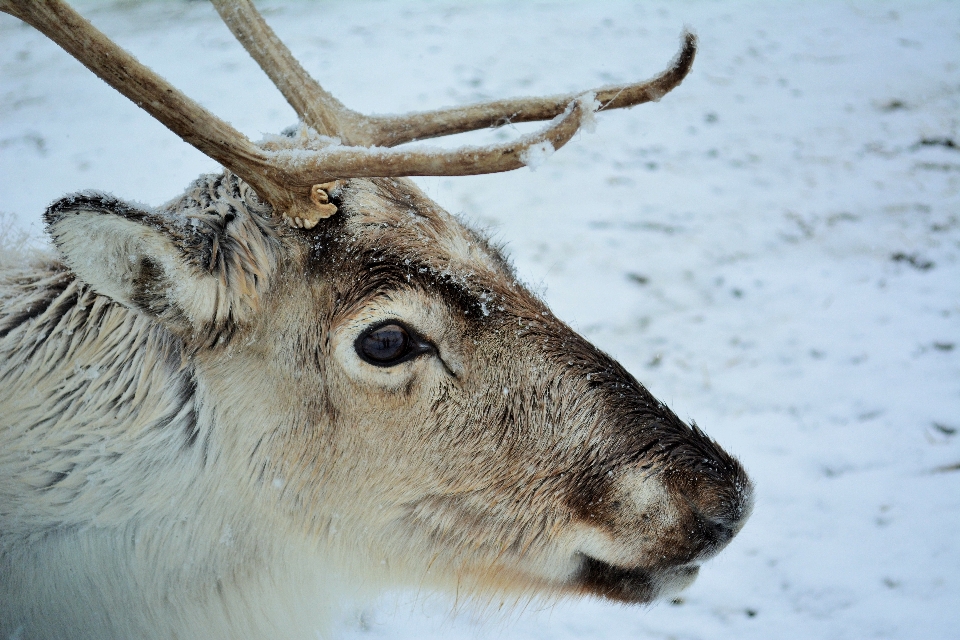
386	389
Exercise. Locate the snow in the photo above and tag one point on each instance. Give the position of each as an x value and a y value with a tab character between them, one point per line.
773	249
536	154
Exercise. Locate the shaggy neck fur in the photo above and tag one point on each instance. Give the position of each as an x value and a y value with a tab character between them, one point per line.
91	392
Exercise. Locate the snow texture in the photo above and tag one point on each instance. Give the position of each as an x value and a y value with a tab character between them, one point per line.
773	249
536	154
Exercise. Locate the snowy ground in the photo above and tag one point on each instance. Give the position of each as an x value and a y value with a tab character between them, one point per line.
774	250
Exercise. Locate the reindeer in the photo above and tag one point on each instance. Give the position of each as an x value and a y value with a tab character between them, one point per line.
302	382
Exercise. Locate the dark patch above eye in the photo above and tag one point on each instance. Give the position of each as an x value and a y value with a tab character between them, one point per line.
389	343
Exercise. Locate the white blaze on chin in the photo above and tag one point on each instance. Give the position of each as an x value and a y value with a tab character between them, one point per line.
645	502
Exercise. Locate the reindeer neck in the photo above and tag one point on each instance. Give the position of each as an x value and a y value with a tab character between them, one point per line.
87	384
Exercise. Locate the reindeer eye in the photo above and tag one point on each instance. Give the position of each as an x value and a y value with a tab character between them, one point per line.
388	344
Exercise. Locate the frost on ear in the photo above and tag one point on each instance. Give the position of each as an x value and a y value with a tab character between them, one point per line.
183	270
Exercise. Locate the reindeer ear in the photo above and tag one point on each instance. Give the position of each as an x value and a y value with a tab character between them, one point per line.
188	271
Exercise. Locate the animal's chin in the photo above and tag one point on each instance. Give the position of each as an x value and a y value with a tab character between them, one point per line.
631	585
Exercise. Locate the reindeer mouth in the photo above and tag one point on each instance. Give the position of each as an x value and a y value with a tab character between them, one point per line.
631	585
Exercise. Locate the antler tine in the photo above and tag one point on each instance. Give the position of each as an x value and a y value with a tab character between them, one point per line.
329	116
360	162
394	130
316	106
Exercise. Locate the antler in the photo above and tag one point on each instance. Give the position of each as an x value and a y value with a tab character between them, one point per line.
285	172
326	114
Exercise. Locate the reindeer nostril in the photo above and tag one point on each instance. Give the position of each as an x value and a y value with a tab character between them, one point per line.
715	533
719	519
